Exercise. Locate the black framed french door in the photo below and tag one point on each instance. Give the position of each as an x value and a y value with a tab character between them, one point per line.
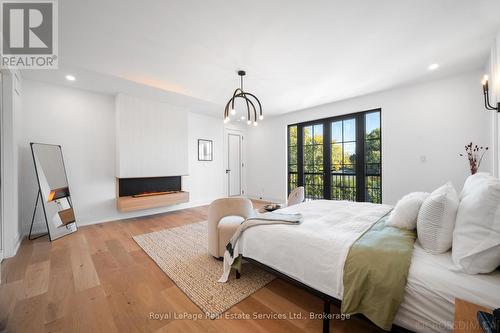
337	158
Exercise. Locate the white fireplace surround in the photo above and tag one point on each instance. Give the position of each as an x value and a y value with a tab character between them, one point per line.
151	138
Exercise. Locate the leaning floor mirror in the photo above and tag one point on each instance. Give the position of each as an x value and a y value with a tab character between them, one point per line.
53	191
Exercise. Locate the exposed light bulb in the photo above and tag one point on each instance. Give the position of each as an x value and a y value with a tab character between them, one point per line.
255	123
242	117
70	77
226	120
433	67
485	80
249	122
261	117
233	112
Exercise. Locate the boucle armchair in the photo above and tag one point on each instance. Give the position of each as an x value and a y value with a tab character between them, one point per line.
224	217
296	196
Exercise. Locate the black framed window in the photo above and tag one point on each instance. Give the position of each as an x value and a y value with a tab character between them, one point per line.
373	158
337	158
313	161
292	158
343	159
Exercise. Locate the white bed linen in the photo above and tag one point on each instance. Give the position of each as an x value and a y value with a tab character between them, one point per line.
313	252
433	284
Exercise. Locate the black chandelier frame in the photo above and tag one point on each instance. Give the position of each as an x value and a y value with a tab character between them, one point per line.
247	97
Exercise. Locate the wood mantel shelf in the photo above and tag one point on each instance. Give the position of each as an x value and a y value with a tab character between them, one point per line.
130	203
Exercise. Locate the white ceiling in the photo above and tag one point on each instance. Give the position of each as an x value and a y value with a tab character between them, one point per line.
297	53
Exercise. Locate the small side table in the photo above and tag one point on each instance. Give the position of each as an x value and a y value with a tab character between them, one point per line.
466	317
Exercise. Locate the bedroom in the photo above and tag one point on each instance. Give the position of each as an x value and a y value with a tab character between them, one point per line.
362	104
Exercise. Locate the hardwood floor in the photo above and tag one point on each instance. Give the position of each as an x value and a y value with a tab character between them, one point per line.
99	280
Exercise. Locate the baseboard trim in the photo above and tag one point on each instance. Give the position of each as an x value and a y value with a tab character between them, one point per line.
18	244
256	197
125	216
13	251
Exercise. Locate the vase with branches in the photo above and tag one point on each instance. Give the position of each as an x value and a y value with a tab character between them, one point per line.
474	154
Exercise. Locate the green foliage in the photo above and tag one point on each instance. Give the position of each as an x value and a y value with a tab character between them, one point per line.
293	136
372	147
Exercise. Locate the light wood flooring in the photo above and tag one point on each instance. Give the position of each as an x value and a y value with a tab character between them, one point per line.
99	280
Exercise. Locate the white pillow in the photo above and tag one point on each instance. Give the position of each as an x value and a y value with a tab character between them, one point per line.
476	239
436	219
472	182
404	215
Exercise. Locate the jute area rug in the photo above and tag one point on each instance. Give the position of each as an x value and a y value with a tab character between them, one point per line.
182	254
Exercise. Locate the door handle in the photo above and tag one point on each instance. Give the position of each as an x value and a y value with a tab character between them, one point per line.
228	170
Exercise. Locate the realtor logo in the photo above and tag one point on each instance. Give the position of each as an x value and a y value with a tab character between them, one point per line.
29	34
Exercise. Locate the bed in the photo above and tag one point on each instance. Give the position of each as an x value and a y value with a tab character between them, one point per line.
431	290
311	255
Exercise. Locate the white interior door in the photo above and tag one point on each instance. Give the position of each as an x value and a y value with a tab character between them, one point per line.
233	170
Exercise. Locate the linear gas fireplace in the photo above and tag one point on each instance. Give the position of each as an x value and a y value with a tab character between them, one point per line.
149	192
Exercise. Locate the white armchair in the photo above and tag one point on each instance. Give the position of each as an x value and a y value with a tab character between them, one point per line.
224	217
296	196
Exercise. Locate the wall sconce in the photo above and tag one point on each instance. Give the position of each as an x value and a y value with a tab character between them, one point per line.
486	94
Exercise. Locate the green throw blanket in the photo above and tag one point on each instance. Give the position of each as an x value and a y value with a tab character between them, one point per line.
375	273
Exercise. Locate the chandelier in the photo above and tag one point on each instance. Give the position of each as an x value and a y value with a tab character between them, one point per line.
250	101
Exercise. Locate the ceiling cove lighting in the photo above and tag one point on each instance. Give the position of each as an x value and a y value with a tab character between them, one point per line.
486	94
433	67
250	101
70	77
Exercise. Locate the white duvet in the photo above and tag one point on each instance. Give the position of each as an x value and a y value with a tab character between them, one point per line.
313	252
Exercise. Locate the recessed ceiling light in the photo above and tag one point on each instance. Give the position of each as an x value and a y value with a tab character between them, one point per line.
433	67
70	77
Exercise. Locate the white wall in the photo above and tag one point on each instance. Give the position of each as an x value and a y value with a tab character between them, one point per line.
206	178
496	86
492	69
11	108
431	121
151	138
84	124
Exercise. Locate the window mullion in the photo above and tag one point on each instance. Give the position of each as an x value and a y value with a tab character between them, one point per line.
327	160
300	155
360	157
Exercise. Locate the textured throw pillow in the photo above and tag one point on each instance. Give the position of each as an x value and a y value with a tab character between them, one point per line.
436	219
404	215
476	239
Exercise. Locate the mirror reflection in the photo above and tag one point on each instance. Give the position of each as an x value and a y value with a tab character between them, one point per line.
53	189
